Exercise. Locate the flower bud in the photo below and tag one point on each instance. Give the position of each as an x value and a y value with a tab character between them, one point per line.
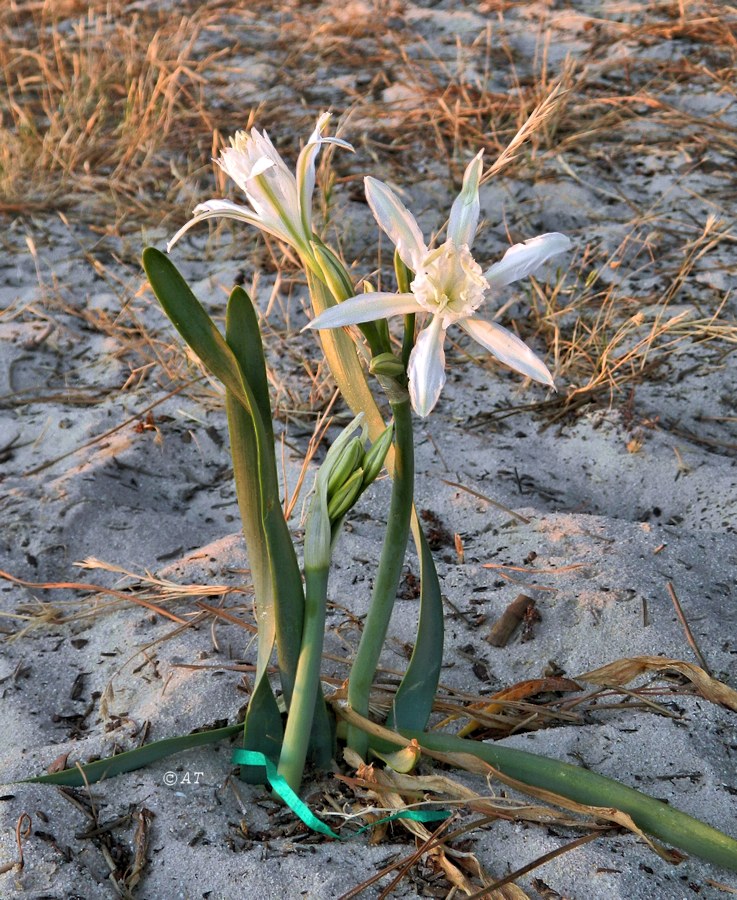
345	496
345	465
387	364
318	537
336	277
374	459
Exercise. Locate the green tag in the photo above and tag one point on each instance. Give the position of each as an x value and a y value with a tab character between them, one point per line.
280	787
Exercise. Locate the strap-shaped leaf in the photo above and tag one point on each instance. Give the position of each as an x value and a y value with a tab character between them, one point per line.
264	731
193	323
654	817
134	759
199	331
263	720
244	451
584	786
243	336
287	596
416	693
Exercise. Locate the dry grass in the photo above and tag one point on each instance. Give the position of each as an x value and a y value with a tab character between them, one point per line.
616	113
605	340
103	105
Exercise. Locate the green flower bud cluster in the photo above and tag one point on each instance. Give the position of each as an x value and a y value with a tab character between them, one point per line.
354	471
387	364
333	270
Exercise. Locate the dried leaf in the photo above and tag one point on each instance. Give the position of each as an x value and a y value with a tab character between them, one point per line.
625	670
403	760
439	858
521	691
59	764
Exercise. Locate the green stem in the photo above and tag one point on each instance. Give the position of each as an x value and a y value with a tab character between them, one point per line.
388	575
307	683
408	338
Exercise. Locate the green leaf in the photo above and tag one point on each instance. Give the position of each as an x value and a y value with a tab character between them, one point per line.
263	729
277	581
230	364
134	759
416	693
244	451
323	745
263	719
285	612
581	785
193	323
243	336
584	786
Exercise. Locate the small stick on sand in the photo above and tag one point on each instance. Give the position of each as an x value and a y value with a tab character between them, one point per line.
689	634
504	627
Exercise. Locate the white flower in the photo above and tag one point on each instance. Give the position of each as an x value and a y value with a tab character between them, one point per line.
281	203
449	285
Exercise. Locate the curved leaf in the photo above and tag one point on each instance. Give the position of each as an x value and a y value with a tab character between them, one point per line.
416	693
133	759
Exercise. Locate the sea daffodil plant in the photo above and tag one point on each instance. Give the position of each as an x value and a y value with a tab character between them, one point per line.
449	286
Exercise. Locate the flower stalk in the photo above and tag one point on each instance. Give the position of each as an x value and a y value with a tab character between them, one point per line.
389	572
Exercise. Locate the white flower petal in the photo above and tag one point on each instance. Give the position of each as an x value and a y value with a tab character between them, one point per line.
226	209
523	259
316	135
306	169
427	367
257	168
306	183
366	308
260	145
261	165
464	214
236	164
223	208
339	142
508	348
397	221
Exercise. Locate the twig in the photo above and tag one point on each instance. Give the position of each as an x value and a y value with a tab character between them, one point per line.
689	634
20	834
475	493
503	629
518	873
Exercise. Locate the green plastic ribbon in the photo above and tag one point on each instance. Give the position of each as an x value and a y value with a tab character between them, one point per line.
299	808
